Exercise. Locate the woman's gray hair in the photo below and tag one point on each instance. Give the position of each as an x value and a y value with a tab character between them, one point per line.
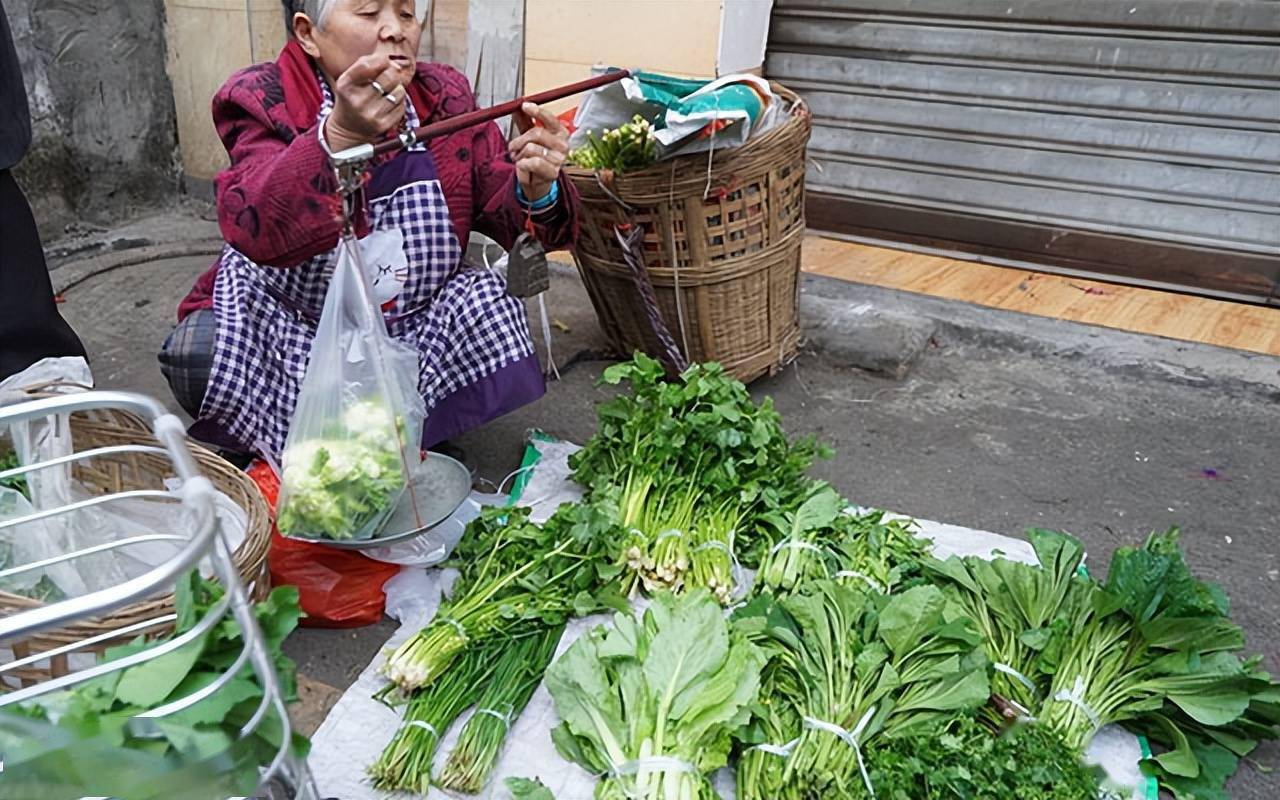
317	10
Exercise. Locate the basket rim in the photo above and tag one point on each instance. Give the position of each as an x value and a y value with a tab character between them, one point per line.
796	126
249	557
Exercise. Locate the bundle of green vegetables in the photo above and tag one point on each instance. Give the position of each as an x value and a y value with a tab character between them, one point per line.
963	758
405	763
8	461
822	538
630	146
96	732
692	466
517	672
346	485
848	667
44	590
515	572
1151	647
650	704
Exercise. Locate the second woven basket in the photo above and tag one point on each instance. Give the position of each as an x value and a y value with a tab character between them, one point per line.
720	249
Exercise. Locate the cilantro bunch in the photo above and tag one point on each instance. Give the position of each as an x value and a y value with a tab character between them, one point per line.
692	465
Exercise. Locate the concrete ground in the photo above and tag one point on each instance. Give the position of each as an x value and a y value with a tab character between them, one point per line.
1000	421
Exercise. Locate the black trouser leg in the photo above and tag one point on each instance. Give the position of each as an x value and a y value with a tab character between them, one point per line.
30	326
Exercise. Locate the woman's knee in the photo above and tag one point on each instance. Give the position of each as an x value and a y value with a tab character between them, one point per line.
186	359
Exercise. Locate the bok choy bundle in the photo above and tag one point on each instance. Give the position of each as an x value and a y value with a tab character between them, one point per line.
650	703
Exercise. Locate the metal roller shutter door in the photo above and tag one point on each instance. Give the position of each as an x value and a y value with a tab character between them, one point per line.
1138	139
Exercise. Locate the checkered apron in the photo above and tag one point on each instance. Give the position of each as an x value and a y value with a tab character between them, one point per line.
461	321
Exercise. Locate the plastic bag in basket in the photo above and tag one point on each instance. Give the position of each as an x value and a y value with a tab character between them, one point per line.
355	435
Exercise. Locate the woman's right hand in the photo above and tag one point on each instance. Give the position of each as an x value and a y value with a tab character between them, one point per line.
361	112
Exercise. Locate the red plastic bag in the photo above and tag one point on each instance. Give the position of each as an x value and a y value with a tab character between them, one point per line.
337	588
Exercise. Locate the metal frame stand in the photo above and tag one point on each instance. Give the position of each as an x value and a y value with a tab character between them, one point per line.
202	545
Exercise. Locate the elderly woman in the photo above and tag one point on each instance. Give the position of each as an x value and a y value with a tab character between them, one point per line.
349	76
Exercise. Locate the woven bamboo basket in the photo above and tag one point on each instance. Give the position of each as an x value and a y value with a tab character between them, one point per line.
721	246
123	472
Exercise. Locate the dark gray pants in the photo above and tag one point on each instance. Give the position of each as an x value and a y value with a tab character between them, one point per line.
186	359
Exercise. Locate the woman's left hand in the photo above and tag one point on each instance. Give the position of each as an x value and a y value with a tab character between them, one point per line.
539	152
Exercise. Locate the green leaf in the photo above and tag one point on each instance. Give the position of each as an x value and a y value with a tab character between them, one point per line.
584	604
148	684
1215	706
199	742
1179	759
217	706
1036	639
1216	765
278	615
909	617
525	789
818	511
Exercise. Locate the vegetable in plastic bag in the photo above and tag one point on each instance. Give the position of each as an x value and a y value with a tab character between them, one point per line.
354	439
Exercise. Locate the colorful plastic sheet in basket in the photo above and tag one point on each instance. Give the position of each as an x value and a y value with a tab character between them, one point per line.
686	113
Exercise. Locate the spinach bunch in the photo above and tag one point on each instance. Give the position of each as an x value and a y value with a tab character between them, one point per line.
849	667
1150	647
823	538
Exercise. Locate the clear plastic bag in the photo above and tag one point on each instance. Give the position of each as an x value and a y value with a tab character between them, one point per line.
357	428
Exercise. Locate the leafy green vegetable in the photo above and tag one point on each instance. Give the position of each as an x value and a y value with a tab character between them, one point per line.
53	762
101	716
346	485
525	789
1019	607
629	146
962	758
517	673
8	461
802	553
651	703
514	572
848	666
1151	648
691	465
822	538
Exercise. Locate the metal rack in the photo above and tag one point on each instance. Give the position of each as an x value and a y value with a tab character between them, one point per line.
202	545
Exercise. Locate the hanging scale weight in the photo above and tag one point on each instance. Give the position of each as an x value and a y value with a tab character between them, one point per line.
527	272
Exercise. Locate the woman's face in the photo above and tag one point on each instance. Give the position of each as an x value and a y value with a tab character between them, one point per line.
357	28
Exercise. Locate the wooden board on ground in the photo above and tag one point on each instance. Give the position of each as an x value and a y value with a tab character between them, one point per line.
1130	308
